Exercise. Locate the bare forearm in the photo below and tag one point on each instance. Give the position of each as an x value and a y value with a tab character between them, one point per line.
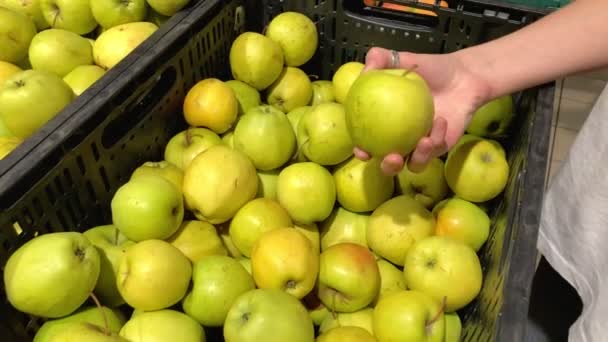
568	41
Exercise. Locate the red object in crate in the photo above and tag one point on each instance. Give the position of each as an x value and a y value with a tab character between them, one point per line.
403	8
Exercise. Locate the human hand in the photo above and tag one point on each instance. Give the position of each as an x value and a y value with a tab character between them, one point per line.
456	93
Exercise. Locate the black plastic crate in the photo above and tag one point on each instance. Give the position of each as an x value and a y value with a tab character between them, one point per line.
69	182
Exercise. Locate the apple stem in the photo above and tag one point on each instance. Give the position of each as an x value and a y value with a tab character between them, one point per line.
188	137
299	151
313	76
103	314
116	234
439	313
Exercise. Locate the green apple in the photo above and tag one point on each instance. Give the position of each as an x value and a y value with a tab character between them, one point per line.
29	99
361	186
346	333
344	226
296	34
82	77
294	117
253	219
59	51
111	245
349	278
361	318
493	118
268	183
187	144
162	168
228	138
292	89
463	221
391	279
477	171
153	275
110	13
52	274
8	144
397	224
323	134
284	258
434	264
223	230
7	70
453	327
163	325
256	60
167	7
322	92
16	33
71	15
464	138
86	314
247	96
389	113
217	281
218	182
147	207
311	231
409	316
427	186
115	43
268	315
84	331
308	191
31	8
197	239
266	137
245	262
344	78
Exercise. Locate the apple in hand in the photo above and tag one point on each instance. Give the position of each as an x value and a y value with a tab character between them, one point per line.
82	77
307	191
292	89
434	264
397	224
360	318
453	327
296	34
218	182
161	168
247	96
463	221
71	15
147	207
323	134
268	315
343	79
256	60
253	219
427	186
111	245
29	99
163	325
344	226
266	137
285	259
110	13
391	279
85	314
322	92
52	274
153	275
59	51
166	7
16	33
409	316
388	112
346	333
349	278
361	186
187	144
84	331
477	170
493	118
217	281
197	239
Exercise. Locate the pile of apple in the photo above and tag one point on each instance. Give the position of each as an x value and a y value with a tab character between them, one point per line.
51	51
259	220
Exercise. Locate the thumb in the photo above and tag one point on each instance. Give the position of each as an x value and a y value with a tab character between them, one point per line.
377	58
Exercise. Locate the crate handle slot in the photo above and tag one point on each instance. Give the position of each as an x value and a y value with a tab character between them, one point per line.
411	15
142	107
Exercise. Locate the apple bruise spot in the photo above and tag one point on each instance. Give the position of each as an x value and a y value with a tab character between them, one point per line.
290	284
431	263
418	188
245	317
486	157
79	253
19	83
174	211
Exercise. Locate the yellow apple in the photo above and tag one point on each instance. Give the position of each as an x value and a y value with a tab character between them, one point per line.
285	259
211	103
197	239
391	279
162	168
311	231
268	183
291	90
344	226
351	334
189	143
296	34
8	144
427	186
360	318
7	70
463	221
343	79
115	43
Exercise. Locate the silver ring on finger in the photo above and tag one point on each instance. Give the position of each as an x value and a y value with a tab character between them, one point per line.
395	62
